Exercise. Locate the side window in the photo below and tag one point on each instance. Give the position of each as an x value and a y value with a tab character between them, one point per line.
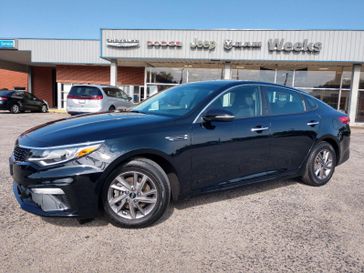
110	92
18	95
281	101
122	94
241	101
310	103
28	96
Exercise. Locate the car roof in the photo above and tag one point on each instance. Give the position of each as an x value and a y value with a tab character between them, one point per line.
96	85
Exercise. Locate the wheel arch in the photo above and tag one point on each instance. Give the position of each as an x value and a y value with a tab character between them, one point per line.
158	157
334	143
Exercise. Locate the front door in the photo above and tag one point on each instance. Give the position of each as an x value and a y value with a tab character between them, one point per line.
227	151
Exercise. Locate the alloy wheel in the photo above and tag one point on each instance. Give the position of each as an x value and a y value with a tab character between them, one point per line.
15	109
44	108
132	195
323	164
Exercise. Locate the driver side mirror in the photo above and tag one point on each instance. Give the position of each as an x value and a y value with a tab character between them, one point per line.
218	115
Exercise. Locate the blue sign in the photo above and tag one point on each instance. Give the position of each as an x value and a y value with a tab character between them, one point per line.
7	44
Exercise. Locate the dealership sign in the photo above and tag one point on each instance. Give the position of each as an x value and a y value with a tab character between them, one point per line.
164	44
200	44
229	44
304	46
7	44
274	45
123	43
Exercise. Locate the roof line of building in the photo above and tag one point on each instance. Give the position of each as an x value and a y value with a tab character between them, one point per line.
231	29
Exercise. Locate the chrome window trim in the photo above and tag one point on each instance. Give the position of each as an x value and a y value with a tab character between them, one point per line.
221	94
63	146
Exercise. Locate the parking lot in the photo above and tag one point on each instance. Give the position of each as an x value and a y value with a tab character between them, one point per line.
278	226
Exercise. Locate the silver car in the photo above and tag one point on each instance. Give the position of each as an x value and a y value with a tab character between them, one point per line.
96	98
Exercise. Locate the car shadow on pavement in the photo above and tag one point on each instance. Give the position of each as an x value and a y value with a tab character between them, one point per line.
205	198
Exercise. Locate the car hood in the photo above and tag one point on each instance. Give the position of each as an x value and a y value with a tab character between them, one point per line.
87	128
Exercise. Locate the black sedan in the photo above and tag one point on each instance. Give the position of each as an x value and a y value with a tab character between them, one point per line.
17	101
189	139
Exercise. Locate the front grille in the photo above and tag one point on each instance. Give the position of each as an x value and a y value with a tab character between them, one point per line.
21	154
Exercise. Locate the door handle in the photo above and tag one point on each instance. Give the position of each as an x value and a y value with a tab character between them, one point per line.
313	123
259	129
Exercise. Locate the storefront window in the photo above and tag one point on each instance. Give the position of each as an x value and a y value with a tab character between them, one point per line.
204	74
321	79
166	75
361	83
253	75
285	77
331	97
360	109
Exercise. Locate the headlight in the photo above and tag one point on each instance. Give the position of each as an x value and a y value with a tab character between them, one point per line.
57	155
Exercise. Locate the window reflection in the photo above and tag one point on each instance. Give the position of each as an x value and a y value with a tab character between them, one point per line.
321	79
285	77
361	83
265	75
166	75
360	110
204	74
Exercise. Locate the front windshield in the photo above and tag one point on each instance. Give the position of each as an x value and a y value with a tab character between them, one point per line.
176	101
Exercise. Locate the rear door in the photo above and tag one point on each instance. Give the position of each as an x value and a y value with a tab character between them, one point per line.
293	129
30	102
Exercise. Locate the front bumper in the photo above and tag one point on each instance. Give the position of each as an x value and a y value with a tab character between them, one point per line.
65	191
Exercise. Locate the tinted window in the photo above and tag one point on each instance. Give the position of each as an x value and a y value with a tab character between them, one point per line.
115	93
5	93
282	101
310	103
242	102
85	91
177	101
18	95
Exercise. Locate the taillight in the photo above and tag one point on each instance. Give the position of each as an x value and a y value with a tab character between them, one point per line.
3	98
344	119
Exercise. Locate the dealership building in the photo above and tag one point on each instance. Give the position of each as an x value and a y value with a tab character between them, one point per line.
329	64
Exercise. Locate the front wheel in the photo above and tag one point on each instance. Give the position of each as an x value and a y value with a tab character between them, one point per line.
136	194
15	109
320	165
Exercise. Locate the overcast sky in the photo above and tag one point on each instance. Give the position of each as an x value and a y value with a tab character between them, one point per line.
83	19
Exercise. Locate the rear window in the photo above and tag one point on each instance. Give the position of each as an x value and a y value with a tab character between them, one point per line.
84	91
4	93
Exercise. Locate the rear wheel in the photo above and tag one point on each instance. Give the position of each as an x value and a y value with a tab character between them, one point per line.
112	108
136	194
44	108
320	165
15	109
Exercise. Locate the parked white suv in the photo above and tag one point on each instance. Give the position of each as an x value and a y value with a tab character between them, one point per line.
96	98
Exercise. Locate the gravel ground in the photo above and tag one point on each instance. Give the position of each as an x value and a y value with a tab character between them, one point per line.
280	226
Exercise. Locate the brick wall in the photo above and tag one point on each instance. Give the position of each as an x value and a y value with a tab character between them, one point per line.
10	79
98	74
131	75
42	83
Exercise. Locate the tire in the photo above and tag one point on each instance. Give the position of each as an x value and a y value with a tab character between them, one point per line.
124	203
320	165
112	108
15	109
44	108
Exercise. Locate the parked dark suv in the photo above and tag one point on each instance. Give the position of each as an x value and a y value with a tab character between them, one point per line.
17	101
189	139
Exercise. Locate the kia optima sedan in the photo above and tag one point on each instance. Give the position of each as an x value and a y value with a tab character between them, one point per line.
190	139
